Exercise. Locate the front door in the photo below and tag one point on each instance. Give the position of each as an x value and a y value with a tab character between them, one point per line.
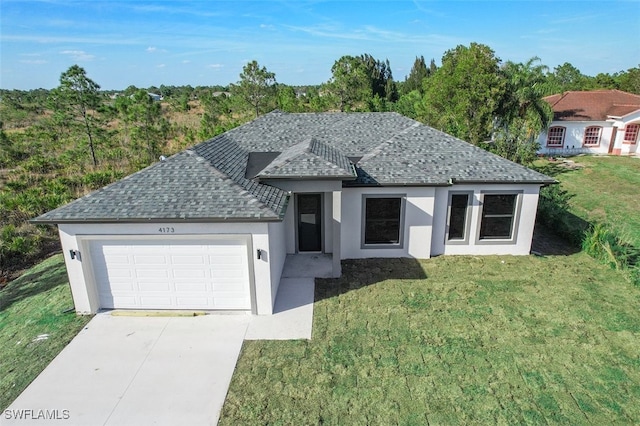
309	218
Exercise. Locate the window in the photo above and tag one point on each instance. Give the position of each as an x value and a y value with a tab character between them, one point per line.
499	217
382	224
631	133
458	217
555	136
592	136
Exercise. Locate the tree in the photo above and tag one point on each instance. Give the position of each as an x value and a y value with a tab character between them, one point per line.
564	78
257	87
524	93
629	81
78	99
287	99
463	96
349	84
215	106
142	118
522	114
357	80
418	73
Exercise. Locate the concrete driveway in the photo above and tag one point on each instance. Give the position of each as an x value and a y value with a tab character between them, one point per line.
128	370
123	370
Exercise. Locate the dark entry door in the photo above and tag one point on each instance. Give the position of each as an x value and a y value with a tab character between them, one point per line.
309	222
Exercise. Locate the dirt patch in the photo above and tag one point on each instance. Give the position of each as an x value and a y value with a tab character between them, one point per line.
547	243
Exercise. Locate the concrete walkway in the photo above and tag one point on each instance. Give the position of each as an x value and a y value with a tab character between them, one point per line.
129	370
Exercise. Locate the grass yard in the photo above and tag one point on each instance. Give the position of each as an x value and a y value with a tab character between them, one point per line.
33	325
453	340
607	190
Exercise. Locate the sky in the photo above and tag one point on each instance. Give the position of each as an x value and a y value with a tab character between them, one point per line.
203	43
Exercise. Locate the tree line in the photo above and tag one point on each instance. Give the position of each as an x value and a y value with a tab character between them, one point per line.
57	145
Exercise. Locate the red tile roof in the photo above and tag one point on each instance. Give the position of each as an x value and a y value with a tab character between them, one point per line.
596	105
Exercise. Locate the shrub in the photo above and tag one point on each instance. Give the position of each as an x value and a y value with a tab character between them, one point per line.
95	180
554	213
603	244
15	248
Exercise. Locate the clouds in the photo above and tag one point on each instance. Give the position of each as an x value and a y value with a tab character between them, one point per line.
78	55
201	43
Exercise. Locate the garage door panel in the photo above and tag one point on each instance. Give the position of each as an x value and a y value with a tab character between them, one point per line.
156	302
150	260
187	287
187	260
171	274
189	274
154	287
151	274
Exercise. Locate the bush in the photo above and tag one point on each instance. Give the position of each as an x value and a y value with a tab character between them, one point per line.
15	248
603	244
554	213
95	180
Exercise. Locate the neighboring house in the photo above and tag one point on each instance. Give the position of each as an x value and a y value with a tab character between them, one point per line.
594	122
210	227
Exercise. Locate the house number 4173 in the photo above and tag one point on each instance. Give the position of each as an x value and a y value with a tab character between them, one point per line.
168	230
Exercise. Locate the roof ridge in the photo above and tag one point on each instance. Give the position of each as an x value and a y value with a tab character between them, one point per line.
235	170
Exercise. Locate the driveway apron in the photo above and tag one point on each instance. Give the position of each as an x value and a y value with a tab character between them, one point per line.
124	370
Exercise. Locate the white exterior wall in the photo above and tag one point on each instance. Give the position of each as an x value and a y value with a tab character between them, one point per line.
418	216
621	147
523	233
81	278
276	256
609	143
574	137
323	187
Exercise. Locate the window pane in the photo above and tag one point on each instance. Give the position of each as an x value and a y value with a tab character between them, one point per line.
383	208
497	216
382	232
555	136
382	220
496	227
498	204
592	135
458	216
631	133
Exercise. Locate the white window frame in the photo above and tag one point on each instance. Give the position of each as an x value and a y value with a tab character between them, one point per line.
515	224
636	132
564	133
599	136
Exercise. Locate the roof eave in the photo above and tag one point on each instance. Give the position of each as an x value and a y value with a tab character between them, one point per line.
37	221
506	182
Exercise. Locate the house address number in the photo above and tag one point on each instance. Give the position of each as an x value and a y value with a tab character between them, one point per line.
167	230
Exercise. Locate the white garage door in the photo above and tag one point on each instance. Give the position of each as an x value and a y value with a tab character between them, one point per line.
172	273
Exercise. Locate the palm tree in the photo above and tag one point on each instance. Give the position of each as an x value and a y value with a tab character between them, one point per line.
523	98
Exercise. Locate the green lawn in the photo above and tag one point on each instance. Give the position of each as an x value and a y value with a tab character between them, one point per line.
34	327
453	340
607	190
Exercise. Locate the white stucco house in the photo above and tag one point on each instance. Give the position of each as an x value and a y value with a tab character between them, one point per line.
592	122
210	227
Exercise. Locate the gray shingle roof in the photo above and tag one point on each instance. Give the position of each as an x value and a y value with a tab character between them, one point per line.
184	187
209	182
309	159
